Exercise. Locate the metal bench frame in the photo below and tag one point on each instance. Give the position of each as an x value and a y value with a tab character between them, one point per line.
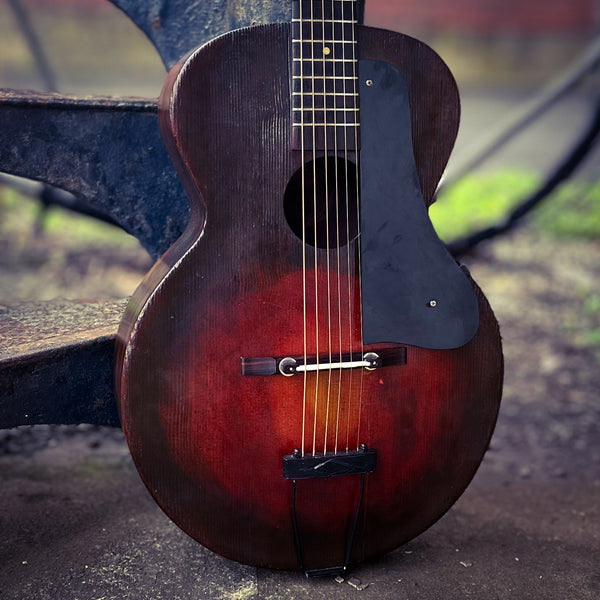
61	374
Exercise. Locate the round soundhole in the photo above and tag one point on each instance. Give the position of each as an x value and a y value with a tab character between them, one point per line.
329	203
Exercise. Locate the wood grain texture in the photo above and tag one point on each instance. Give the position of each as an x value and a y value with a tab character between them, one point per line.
208	441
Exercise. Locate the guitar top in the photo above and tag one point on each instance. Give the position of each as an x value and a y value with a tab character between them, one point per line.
307	379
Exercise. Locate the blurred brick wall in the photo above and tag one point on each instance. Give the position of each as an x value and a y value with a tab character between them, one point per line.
487	16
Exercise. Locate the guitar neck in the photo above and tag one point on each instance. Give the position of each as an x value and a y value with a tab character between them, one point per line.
325	100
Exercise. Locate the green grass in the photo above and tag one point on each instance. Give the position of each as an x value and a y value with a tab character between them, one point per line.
20	216
589	323
478	201
572	211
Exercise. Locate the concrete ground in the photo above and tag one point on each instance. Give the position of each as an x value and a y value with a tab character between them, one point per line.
77	523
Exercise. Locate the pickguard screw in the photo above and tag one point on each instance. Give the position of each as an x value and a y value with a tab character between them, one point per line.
369	82
433	303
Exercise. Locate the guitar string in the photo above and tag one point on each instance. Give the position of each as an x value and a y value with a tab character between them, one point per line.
314	168
345	124
303	202
337	226
314	131
326	191
348	245
358	240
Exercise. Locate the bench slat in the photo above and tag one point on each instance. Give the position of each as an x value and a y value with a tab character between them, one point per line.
56	362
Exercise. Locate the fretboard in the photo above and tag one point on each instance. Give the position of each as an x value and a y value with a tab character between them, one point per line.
325	108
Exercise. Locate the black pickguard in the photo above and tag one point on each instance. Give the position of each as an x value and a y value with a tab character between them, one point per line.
413	292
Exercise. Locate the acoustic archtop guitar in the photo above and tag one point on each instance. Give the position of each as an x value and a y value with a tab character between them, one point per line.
307	379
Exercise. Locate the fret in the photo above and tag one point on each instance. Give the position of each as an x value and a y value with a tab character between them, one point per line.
333	119
334	128
328	124
310	85
330	117
320	30
335	10
333	72
333	60
326	136
327	94
325	70
319	20
319	52
309	43
321	41
341	66
320	77
321	101
323	67
319	111
320	85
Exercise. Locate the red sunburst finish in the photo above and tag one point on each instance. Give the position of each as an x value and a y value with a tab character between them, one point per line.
207	440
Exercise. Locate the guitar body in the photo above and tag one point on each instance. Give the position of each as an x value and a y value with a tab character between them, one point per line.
208	438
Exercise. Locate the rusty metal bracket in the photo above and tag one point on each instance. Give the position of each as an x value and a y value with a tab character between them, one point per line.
56	362
176	26
109	154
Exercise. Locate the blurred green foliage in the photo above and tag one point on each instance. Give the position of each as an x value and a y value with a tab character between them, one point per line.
572	211
475	202
481	200
20	215
478	201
